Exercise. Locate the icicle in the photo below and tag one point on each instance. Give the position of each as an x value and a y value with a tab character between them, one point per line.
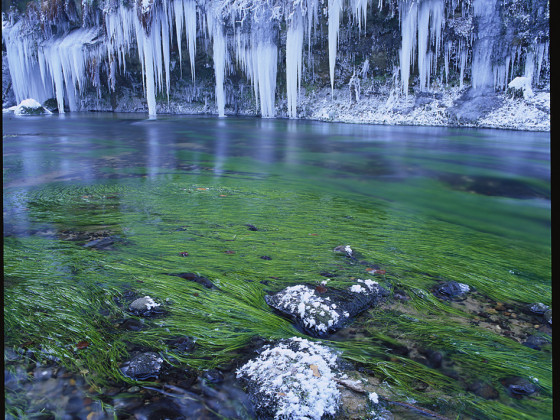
335	9
423	39
178	9
408	16
294	63
359	9
529	66
219	57
189	10
481	71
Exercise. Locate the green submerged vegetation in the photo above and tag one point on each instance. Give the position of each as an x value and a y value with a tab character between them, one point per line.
58	293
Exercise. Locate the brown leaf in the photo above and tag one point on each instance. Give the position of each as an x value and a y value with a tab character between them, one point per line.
82	345
315	370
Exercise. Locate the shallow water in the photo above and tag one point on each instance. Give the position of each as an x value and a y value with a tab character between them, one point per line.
183	194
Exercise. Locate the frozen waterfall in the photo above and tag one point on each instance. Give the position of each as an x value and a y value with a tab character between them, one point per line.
246	36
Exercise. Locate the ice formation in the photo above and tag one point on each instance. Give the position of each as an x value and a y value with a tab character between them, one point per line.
67	61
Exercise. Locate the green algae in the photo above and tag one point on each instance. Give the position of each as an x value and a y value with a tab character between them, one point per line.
59	293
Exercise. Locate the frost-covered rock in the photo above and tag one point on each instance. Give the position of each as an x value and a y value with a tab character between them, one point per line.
30	107
522	84
144	306
344	249
319	311
293	380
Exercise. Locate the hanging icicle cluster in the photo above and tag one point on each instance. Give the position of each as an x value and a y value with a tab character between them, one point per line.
438	38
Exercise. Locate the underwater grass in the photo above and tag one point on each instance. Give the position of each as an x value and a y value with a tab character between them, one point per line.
59	293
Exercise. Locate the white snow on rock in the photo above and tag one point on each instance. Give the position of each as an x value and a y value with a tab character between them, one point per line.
294	380
28	107
314	311
523	84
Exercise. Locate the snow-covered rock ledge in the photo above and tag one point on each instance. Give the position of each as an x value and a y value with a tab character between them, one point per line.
28	107
430	109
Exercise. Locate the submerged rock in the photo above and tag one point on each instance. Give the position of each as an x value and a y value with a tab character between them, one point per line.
102	243
143	366
321	311
548	316
484	390
538	308
293	379
193	277
519	387
451	290
536	341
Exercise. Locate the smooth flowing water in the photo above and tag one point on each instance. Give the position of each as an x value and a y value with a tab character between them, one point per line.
100	209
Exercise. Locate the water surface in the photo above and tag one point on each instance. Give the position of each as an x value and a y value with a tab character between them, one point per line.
425	204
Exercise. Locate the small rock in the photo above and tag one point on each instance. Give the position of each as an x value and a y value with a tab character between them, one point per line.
214	376
538	308
451	290
518	386
265	257
536	341
185	344
484	390
251	227
319	313
193	277
344	249
145	306
143	366
548	316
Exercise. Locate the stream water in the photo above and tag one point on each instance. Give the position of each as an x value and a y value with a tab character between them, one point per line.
100	209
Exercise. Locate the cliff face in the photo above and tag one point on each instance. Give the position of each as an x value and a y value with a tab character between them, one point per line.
394	61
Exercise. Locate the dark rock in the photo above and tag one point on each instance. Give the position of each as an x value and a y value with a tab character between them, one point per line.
164	409
102	243
327	274
185	344
125	405
131	324
435	358
548	316
519	387
451	290
400	295
75	404
484	390
214	376
143	366
538	308
266	257
536	341
193	277
251	227
320	314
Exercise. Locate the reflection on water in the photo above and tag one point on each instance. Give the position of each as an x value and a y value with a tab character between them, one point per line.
422	168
